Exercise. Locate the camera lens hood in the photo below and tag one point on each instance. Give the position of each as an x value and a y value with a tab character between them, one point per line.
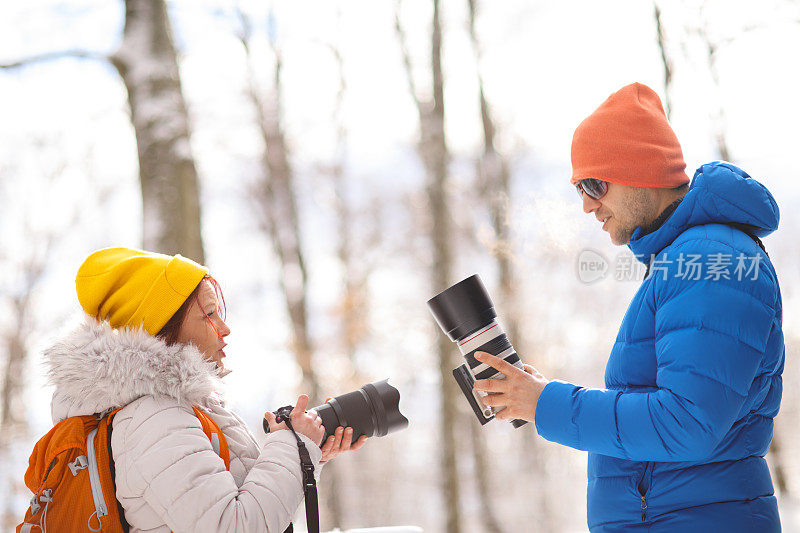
463	308
372	410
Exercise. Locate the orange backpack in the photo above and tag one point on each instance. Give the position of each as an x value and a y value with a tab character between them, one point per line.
71	475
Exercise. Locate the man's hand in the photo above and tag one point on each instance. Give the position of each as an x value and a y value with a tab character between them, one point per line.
305	423
518	393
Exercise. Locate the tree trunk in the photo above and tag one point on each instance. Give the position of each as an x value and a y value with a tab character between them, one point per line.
354	272
279	217
665	61
433	151
147	62
351	313
484	486
435	155
12	417
13	412
277	209
718	118
493	182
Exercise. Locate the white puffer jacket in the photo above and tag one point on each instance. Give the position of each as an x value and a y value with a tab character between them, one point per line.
168	476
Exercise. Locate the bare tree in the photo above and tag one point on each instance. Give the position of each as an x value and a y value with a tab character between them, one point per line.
712	47
493	183
433	151
352	302
12	420
24	270
718	115
26	259
666	61
354	272
147	62
276	202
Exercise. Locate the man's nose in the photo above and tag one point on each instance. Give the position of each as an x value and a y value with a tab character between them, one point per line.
589	203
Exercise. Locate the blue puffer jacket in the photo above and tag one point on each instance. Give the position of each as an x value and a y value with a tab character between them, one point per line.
677	438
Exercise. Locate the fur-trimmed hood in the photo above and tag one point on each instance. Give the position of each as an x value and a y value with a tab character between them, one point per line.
96	368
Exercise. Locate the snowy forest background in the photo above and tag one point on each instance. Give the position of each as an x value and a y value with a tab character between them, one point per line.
336	164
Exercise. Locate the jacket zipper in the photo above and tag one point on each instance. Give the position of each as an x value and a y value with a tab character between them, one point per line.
644	486
94	477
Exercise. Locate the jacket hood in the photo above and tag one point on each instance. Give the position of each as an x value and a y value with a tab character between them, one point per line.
720	193
95	369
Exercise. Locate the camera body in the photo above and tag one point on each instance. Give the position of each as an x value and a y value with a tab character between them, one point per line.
466	314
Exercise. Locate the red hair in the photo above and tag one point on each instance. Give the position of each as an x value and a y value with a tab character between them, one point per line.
169	333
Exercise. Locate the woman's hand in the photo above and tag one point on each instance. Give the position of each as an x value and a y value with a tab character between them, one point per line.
340	442
305	423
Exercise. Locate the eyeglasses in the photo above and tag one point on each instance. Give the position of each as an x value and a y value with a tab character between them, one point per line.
219	309
213	327
593	187
210	322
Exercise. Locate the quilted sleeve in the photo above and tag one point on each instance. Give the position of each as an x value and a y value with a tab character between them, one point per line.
168	474
242	446
710	338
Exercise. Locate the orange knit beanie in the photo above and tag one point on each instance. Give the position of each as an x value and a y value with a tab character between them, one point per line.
628	140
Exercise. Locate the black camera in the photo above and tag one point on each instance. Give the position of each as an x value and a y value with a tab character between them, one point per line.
465	312
372	410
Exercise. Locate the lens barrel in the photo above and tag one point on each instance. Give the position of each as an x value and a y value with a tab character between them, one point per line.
373	410
465	313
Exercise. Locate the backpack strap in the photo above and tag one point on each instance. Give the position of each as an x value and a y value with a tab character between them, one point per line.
215	435
108	424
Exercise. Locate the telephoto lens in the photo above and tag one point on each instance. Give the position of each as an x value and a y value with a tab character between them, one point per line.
465	313
373	410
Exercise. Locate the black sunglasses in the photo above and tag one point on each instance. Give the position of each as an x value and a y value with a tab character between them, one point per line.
593	187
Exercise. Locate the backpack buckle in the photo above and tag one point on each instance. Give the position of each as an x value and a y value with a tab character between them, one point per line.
35	504
78	464
46	497
308	474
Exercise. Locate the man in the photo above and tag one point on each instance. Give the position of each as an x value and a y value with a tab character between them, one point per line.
677	438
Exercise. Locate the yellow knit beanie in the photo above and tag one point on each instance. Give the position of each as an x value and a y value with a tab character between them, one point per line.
133	288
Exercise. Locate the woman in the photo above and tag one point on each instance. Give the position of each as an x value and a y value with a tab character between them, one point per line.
152	343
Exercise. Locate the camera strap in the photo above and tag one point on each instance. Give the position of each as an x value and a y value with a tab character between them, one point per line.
309	482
